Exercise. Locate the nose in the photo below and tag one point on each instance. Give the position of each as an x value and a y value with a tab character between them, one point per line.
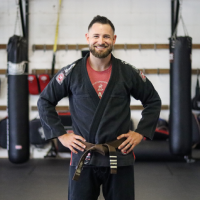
100	40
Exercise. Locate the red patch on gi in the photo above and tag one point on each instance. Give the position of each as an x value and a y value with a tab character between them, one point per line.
142	76
60	78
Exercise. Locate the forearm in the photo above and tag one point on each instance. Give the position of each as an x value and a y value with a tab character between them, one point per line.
150	115
50	121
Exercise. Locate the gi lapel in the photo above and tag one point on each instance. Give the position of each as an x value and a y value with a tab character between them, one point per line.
100	103
88	83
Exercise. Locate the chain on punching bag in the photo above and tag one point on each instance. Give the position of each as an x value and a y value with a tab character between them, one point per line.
180	95
18	116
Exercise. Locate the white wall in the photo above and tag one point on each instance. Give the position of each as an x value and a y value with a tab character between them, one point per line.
136	21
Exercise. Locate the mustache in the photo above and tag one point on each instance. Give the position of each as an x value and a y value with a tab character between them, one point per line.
101	45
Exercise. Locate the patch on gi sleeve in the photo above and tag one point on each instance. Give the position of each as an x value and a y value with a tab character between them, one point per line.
142	76
62	75
60	78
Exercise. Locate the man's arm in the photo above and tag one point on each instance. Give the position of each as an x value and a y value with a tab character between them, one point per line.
143	90
47	102
57	89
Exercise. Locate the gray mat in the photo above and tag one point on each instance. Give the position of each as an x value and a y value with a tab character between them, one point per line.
46	179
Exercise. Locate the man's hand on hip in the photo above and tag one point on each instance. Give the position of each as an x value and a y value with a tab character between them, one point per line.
71	141
133	139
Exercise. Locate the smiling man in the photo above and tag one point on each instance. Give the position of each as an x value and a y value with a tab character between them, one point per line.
99	87
101	39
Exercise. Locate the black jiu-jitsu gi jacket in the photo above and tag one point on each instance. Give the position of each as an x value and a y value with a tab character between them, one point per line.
99	120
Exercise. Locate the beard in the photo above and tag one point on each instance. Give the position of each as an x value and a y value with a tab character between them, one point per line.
101	54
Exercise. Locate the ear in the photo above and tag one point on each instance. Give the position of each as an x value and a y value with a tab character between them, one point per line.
114	39
87	37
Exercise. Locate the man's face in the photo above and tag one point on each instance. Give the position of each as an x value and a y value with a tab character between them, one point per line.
101	39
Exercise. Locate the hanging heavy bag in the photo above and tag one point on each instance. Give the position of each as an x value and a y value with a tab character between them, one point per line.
3	133
196	99
18	101
18	114
180	95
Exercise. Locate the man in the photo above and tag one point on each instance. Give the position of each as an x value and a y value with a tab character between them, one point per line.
99	87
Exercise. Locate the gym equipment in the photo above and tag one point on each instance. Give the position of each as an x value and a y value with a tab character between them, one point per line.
180	93
156	150
196	99
36	133
33	84
52	153
67	123
44	79
18	108
55	41
162	130
195	130
3	133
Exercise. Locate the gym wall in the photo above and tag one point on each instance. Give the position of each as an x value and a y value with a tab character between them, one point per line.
136	22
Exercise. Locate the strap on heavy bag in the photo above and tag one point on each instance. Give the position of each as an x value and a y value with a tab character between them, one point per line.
55	41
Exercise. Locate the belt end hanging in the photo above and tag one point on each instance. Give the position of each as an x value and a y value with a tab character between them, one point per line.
113	162
76	177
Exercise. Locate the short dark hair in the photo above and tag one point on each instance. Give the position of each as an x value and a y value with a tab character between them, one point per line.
101	20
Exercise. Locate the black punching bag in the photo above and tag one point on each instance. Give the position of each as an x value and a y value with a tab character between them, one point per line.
180	96
18	113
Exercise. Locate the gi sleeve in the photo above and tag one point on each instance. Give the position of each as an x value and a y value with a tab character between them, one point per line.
50	96
143	90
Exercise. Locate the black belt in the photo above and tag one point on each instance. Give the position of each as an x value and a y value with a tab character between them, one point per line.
102	149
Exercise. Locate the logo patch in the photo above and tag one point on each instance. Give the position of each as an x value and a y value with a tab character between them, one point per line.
60	78
87	159
43	78
30	78
18	147
64	73
142	76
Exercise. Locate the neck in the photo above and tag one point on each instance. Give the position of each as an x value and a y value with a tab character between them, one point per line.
99	64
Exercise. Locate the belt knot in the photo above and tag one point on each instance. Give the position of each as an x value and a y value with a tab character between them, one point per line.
102	149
